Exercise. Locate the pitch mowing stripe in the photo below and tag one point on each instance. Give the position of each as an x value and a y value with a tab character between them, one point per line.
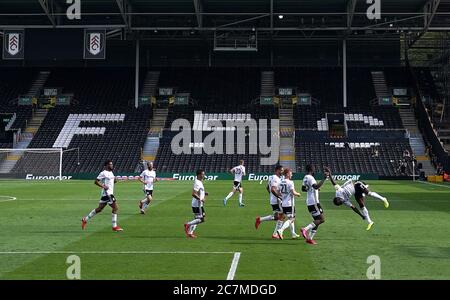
122	252
72	242
233	266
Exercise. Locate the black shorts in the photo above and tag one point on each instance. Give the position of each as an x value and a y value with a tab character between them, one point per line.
276	208
360	190
107	199
288	210
315	210
198	211
237	185
148	192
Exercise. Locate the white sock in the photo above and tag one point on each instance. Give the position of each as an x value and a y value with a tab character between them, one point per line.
192	229
377	196
114	220
267	218
285	225
146	205
90	215
240	198
229	196
194	222
365	213
310	227
277	226
292	226
312	234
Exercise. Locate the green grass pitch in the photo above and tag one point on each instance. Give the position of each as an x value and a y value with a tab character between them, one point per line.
41	228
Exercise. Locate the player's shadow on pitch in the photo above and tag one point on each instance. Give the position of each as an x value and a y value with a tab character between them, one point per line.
428	252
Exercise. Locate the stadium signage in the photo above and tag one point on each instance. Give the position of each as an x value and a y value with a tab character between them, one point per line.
46	177
346	177
256	177
13	44
94	44
189	177
209	176
130	177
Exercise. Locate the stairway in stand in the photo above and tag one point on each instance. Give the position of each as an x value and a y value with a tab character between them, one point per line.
287	129
156	126
267	84
379	84
35	123
416	140
150	84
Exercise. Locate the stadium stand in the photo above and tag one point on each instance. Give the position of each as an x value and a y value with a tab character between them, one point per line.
13	83
107	128
118	140
369	126
214	88
220	94
166	161
354	155
101	124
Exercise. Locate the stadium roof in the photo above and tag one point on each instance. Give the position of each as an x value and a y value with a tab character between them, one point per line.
173	18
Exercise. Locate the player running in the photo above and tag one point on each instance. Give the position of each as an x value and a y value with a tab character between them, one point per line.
287	191
311	187
147	178
239	172
105	180
198	200
275	202
359	189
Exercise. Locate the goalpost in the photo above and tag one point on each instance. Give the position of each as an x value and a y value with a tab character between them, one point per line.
31	163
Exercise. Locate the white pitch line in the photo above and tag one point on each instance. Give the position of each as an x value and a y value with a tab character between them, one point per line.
9	198
117	252
430	183
234	265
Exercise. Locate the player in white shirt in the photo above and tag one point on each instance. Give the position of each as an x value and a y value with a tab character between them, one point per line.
311	188
147	178
360	190
105	180
239	173
198	200
275	202
287	190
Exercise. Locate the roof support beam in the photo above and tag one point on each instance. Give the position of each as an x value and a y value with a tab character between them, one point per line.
429	11
224	27
271	15
46	6
198	6
351	6
125	10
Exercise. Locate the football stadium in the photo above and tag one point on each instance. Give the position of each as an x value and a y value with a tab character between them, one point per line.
225	140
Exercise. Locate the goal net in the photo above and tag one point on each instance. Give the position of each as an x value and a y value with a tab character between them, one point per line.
38	163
